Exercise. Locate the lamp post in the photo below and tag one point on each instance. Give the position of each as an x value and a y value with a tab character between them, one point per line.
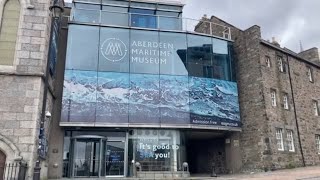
56	11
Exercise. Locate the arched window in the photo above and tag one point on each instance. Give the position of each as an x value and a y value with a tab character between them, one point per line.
8	31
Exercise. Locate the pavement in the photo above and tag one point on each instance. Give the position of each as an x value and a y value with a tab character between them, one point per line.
304	173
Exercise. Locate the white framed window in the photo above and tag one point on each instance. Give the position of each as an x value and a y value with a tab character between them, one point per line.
268	63
315	107
290	140
310	75
280	64
279	139
273	98
285	101
318	143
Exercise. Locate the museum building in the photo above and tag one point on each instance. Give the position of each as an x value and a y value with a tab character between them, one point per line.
144	95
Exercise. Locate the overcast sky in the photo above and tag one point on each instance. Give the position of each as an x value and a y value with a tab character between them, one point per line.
288	20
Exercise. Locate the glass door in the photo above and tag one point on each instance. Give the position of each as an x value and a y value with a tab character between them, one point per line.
115	158
87	157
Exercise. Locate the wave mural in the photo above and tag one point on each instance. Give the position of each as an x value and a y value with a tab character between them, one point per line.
112	97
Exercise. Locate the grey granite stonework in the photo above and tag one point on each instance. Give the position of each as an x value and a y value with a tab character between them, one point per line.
260	119
22	86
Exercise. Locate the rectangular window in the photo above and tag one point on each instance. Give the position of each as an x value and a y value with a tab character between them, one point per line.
279	139
268	63
285	101
315	107
290	140
273	98
318	143
280	64
310	75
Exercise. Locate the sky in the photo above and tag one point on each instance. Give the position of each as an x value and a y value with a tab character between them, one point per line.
289	21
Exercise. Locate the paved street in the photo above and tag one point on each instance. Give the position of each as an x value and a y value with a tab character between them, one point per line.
307	173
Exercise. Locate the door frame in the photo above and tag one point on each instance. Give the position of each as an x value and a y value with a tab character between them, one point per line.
84	137
3	168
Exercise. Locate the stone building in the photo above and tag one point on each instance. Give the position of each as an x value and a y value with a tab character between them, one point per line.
24	37
279	94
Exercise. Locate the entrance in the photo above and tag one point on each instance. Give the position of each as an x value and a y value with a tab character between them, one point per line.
95	156
204	150
2	164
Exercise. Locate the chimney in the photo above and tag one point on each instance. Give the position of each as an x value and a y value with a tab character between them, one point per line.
275	42
311	55
204	17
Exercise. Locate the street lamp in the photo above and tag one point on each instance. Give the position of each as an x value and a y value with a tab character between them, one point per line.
56	12
56	9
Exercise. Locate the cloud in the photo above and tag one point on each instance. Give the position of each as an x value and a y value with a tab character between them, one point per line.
288	20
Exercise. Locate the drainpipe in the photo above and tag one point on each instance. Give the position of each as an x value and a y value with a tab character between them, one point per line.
295	113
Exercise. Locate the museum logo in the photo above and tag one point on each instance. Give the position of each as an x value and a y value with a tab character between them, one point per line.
113	49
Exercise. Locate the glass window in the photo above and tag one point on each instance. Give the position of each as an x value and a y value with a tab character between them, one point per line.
220	59
279	139
115	9
112	97
86	15
280	64
273	98
145	52
114	18
83	45
115	2
310	75
199	56
173	53
290	140
170	23
315	107
318	143
143	18
114	50
285	101
268	63
156	150
87	6
79	96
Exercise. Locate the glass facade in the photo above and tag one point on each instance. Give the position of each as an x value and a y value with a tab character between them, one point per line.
132	77
102	153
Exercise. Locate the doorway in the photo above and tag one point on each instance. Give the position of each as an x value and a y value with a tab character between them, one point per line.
205	150
2	164
96	156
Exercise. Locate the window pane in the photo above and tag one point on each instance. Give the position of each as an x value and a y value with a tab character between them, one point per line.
173	53
83	42
114	50
145	52
87	6
199	56
115	9
112	97
221	59
79	96
143	18
170	23
87	16
114	18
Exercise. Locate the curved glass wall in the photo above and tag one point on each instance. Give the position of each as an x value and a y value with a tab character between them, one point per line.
138	77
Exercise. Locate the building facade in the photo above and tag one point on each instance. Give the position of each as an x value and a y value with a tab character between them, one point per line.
142	95
140	91
279	96
24	37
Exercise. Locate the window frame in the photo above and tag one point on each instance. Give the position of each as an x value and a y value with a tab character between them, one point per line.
268	61
317	138
279	139
280	63
285	100
273	95
290	140
310	74
315	108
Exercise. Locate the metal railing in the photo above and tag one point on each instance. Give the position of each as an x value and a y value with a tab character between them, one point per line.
158	22
15	171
